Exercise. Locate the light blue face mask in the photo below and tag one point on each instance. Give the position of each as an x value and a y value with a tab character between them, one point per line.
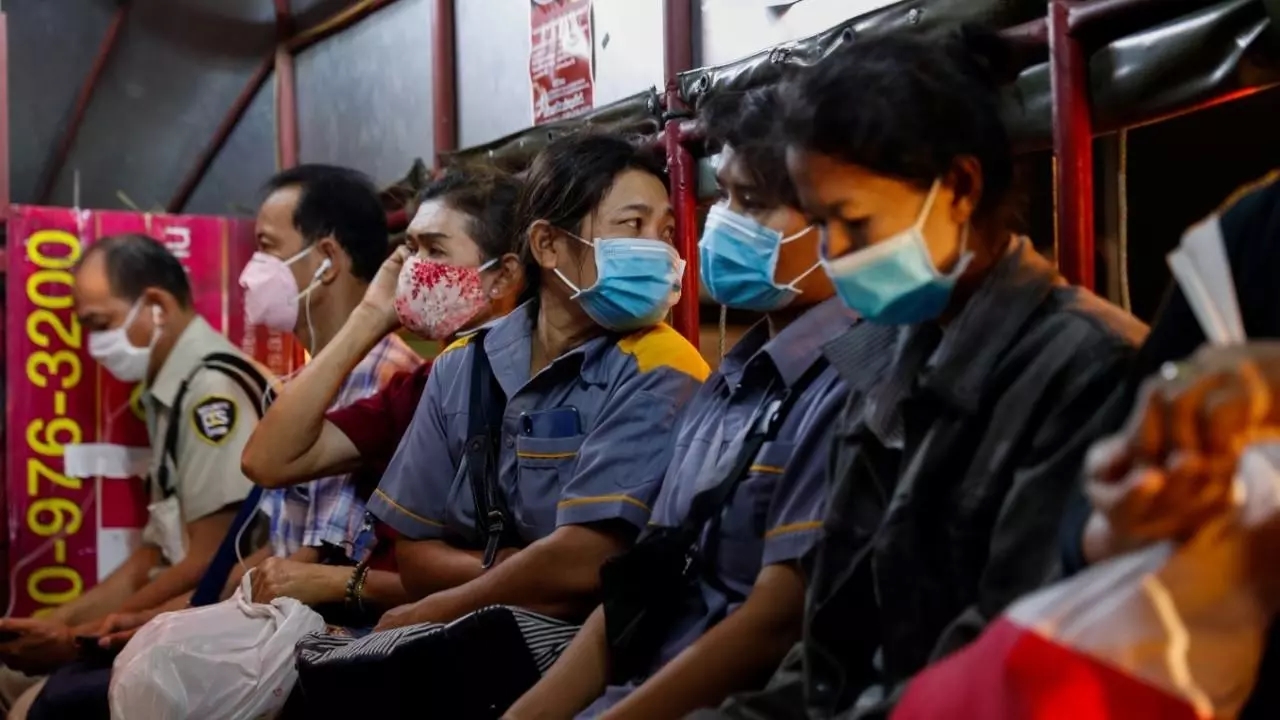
895	282
637	282
738	257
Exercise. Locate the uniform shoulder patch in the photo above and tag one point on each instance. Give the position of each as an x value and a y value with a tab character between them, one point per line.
214	418
662	347
458	344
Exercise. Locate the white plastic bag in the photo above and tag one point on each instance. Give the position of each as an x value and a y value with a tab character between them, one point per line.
1203	271
229	661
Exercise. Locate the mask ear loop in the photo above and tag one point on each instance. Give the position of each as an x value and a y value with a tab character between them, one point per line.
817	263
577	291
928	206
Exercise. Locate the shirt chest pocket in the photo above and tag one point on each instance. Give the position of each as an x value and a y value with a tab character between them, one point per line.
544	466
744	524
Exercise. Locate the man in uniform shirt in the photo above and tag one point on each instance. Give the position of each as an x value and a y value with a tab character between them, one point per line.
133	299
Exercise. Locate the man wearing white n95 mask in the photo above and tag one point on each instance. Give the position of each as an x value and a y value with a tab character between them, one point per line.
133	299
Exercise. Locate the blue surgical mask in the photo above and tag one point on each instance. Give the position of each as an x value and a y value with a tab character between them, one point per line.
737	259
637	282
895	282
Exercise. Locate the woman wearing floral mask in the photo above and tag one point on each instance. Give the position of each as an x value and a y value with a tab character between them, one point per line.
949	478
586	385
463	221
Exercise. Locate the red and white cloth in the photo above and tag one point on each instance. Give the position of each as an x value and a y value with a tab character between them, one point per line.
1169	632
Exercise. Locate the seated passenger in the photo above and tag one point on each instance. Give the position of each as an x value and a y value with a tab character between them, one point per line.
1250	225
1151	504
322	236
588	383
742	612
464	229
134	300
948	489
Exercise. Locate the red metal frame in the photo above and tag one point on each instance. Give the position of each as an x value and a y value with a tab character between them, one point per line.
681	165
444	103
1072	146
83	98
1066	23
336	24
286	91
220	135
282	61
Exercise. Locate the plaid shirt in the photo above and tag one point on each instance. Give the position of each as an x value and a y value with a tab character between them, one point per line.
328	511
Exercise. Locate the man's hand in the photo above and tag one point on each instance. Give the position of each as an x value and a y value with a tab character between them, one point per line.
308	583
1171	469
117	629
41	646
379	299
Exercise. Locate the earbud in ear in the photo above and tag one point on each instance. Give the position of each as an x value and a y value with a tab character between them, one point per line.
324	267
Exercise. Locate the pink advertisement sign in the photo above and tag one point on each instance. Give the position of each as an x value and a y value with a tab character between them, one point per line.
65	533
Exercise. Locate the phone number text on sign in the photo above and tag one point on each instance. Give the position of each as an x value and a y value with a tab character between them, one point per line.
48	391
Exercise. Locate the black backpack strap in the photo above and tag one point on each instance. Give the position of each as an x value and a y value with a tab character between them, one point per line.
484	432
708	505
245	374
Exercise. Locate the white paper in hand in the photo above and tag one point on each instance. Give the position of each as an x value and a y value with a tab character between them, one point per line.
1203	272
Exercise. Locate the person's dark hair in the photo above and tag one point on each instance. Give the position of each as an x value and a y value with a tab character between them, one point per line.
748	122
907	106
488	197
570	178
135	262
343	203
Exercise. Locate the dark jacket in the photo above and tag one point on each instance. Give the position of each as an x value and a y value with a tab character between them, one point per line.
949	480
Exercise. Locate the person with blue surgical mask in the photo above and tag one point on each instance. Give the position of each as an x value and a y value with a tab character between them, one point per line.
577	417
748	507
949	478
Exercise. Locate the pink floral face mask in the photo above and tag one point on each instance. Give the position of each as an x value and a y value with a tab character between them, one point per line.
436	300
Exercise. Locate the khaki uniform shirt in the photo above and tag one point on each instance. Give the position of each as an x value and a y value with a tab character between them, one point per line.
217	419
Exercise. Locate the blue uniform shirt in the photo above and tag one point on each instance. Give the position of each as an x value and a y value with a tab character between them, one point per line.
628	392
775	515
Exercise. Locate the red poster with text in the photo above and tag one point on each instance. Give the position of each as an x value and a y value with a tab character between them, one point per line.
560	59
65	534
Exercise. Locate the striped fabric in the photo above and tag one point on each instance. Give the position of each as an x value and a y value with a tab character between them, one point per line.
544	637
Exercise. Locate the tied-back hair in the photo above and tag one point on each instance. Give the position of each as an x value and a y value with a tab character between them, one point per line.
570	178
908	105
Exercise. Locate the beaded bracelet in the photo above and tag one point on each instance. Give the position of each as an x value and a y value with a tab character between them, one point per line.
364	574
355	585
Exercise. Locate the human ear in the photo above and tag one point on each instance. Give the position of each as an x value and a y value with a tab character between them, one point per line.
965	179
543	246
